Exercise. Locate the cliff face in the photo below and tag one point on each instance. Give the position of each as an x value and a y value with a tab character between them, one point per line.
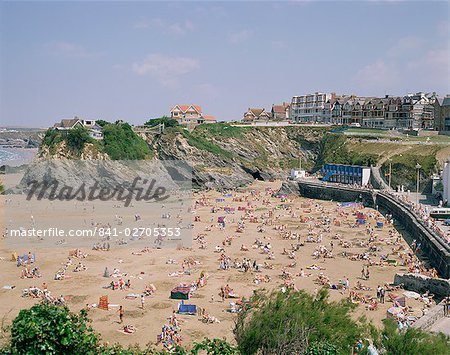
60	151
226	157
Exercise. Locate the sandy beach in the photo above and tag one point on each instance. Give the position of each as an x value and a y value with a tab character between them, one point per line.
258	227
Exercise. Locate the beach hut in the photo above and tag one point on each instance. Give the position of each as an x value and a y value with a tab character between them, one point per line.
189	309
180	293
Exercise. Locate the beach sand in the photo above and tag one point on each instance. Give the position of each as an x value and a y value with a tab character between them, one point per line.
151	268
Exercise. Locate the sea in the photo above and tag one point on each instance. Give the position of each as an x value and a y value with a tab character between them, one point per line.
16	156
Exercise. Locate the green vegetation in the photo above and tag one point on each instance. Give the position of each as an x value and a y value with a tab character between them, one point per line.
52	137
296	323
220	129
121	143
412	341
335	149
366	130
277	323
46	329
102	123
202	143
76	139
404	166
168	122
50	329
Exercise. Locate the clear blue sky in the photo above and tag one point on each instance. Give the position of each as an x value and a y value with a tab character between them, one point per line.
135	60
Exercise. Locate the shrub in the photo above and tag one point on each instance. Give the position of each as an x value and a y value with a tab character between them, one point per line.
411	341
168	122
295	323
53	330
77	138
120	143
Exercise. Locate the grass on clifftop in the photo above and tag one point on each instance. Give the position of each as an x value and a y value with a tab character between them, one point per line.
335	149
119	142
197	140
220	129
75	139
404	167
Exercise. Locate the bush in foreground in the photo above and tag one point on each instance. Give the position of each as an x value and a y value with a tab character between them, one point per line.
293	323
47	329
296	323
410	341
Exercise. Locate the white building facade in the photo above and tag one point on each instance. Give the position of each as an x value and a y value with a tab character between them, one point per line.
311	108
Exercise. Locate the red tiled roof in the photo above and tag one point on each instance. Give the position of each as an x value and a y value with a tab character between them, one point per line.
279	109
209	118
184	108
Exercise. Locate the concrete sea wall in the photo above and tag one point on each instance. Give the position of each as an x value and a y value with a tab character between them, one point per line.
435	249
421	284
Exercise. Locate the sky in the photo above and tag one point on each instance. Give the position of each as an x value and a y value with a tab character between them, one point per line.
136	60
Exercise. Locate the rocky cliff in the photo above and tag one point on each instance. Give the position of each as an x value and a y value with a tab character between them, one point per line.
60	151
224	156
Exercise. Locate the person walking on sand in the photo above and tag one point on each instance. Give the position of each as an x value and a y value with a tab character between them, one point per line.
121	312
142	302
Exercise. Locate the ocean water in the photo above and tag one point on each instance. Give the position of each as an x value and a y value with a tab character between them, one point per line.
16	156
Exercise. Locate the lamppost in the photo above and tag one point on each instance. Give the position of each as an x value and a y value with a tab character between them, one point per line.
418	166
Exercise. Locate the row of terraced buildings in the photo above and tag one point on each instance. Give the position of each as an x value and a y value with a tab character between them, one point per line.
411	111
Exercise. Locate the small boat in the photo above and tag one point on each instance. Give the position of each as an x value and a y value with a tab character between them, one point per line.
440	213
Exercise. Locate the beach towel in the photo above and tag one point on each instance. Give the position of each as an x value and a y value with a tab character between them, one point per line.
23	259
131	296
190	309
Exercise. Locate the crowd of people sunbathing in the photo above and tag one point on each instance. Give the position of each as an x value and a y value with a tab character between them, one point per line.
44	294
170	335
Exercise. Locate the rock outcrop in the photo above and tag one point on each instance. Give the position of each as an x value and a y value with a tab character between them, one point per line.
232	160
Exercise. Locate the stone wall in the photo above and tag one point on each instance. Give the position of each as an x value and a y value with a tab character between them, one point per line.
435	249
432	316
421	284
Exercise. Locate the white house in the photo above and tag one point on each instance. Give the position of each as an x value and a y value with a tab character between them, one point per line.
95	131
190	114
